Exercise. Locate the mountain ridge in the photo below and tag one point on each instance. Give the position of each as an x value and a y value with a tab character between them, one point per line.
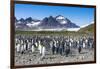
46	23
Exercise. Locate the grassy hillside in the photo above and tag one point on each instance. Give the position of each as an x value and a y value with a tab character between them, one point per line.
59	33
88	29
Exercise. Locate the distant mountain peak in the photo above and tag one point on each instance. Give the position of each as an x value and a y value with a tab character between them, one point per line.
29	19
60	17
22	19
50	16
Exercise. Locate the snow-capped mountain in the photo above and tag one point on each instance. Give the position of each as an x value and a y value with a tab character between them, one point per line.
46	23
57	22
61	19
49	22
32	24
26	23
66	23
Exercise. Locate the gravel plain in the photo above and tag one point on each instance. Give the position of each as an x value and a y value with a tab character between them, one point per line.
34	58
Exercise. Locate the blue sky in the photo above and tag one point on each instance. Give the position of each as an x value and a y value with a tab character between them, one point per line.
78	15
